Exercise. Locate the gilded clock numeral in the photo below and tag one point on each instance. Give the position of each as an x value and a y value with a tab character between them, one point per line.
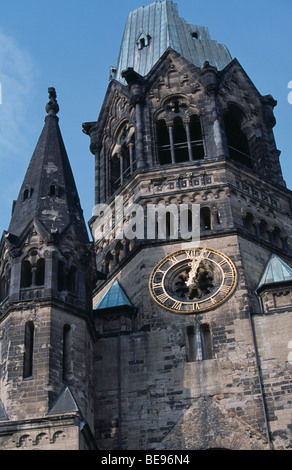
157	285
228	275
196	306
162	298
225	289
222	262
173	260
190	254
177	305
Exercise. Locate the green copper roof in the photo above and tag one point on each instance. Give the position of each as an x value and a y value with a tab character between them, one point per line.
114	297
275	272
151	30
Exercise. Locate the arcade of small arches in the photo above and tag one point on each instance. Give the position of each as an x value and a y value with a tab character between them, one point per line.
263	231
114	253
33	275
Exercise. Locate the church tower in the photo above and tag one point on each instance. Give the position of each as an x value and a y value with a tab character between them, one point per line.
46	334
192	335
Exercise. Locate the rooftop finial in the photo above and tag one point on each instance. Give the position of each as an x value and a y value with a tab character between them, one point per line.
52	106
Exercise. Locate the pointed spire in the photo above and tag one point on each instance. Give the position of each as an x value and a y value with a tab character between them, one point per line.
48	192
114	297
275	272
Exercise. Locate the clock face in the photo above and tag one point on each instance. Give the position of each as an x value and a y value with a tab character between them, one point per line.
193	281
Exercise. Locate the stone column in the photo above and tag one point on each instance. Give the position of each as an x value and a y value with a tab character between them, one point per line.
209	74
189	142
171	144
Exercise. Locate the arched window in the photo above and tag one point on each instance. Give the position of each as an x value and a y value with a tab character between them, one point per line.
205	217
191	355
196	138
109	262
180	141
67	353
72	280
52	190
164	153
249	223
277	237
206	342
237	141
26	274
264	230
28	350
40	272
61	276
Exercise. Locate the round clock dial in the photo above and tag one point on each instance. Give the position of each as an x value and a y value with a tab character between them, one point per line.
193	281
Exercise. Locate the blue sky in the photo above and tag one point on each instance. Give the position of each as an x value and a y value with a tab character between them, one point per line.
70	45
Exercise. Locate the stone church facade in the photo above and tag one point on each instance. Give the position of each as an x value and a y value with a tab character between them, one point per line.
144	338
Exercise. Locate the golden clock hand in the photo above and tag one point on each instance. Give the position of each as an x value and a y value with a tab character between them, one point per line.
195	265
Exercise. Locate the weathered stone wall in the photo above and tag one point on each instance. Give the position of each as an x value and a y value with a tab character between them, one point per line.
158	387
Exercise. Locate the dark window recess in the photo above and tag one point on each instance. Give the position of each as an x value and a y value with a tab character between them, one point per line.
180	141
61	276
191	344
52	190
26	274
25	194
206	342
205	218
67	353
28	350
196	138
71	280
40	272
164	153
237	141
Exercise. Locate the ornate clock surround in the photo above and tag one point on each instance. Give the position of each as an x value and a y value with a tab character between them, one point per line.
193	280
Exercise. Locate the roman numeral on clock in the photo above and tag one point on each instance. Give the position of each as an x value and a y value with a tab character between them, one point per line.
162	298
177	305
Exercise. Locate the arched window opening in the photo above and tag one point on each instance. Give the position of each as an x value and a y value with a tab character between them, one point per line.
249	223
237	141
264	230
40	272
205	218
5	283
61	276
115	172
206	343
25	194
72	280
123	161
28	350
120	251
191	350
52	190
277	237
164	153
26	274
166	225
196	138
109	262
67	353
180	141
